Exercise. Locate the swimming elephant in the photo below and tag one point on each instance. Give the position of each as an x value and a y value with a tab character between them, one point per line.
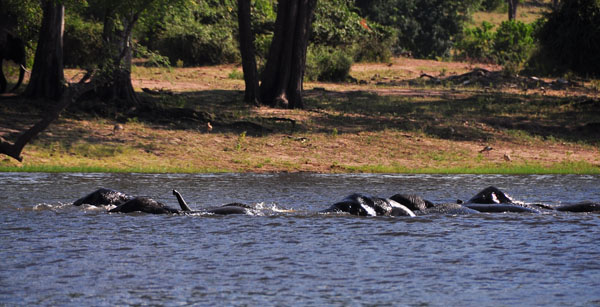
103	197
144	204
447	208
233	208
584	206
126	204
490	195
492	199
421	206
412	202
148	205
363	205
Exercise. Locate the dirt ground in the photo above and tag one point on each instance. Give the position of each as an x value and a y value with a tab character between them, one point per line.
389	119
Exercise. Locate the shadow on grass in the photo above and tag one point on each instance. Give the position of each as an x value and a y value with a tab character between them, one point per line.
474	117
438	113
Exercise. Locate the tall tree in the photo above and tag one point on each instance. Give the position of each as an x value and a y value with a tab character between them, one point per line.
281	82
119	20
246	37
512	9
47	77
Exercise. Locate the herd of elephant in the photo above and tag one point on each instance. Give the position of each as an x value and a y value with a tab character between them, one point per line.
490	200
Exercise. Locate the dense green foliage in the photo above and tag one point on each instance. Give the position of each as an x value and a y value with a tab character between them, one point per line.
22	18
338	24
492	5
200	32
82	42
425	28
195	32
570	39
325	63
205	32
340	36
511	43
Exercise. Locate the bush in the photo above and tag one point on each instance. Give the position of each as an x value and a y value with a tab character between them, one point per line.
194	32
82	42
205	45
570	39
425	28
327	64
492	5
337	24
511	44
377	46
153	59
477	43
205	32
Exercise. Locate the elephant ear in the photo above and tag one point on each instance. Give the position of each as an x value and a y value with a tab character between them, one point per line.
16	50
16	53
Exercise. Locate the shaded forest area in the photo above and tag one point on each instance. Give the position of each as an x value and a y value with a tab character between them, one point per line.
283	45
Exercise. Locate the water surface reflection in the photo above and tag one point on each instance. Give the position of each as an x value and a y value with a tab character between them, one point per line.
57	254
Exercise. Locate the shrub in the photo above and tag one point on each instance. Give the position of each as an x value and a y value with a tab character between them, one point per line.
205	32
477	43
327	64
377	46
204	45
513	42
195	32
492	5
570	39
425	28
337	24
152	58
82	42
510	45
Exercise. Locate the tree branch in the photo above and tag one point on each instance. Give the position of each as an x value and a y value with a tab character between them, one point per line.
70	94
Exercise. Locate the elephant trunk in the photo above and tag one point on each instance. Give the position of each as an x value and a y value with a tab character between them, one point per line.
182	203
21	75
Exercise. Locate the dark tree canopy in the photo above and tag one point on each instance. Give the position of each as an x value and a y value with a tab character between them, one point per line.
426	28
570	39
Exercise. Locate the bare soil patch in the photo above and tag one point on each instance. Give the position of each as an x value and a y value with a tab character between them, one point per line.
390	120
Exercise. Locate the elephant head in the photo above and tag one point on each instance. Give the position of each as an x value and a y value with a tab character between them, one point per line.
11	48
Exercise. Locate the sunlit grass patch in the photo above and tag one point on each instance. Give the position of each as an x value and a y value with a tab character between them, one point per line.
567	167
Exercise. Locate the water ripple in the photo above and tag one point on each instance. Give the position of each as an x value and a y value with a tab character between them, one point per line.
57	254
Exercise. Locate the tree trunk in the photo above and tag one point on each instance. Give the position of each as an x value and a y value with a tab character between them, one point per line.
512	9
47	78
117	65
282	79
248	54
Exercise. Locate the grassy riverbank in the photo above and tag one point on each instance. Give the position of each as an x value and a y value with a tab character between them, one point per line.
391	121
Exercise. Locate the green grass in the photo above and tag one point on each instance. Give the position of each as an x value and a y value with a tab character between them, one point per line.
236	74
101	169
575	167
567	167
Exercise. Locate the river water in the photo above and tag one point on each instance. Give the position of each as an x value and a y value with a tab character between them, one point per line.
53	253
